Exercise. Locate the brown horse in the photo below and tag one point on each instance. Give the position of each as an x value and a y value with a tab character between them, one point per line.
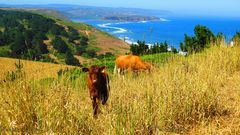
130	63
98	85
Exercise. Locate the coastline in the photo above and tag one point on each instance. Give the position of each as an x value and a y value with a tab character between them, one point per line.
172	30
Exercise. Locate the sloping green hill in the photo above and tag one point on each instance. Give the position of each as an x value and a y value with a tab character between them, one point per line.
39	35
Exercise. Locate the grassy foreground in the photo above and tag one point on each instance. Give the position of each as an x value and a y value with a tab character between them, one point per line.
199	94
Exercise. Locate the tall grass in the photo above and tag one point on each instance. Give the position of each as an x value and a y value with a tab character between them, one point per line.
174	98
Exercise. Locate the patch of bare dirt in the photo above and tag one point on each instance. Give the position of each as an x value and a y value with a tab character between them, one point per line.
110	44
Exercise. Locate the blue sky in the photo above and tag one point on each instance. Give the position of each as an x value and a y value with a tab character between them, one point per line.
182	7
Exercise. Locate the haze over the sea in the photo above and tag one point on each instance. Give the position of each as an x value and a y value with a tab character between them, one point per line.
213	8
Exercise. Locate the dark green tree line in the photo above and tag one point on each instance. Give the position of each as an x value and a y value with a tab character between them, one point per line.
141	48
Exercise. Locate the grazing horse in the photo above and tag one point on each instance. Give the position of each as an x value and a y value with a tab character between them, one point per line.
98	85
130	63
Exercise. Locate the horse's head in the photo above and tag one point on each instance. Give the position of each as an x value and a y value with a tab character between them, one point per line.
95	73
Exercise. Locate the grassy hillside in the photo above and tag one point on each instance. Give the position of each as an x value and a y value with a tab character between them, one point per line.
102	41
198	94
20	37
33	70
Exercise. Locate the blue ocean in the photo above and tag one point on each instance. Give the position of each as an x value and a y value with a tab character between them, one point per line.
171	30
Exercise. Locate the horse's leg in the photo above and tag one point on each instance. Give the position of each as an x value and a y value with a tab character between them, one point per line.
119	71
98	101
129	70
95	106
115	69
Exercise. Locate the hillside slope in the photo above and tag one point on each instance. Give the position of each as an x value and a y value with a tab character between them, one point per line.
33	70
38	34
102	40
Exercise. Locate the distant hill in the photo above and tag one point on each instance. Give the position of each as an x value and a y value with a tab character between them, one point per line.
131	18
91	12
40	35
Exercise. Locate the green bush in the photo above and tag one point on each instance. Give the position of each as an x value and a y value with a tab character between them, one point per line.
71	60
236	38
203	37
60	45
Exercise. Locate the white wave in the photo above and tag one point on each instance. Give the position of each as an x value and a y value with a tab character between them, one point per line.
164	20
131	41
124	38
127	37
117	30
143	22
127	40
149	44
161	20
123	22
105	25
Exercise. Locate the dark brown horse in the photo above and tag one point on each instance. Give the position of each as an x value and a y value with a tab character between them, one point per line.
98	85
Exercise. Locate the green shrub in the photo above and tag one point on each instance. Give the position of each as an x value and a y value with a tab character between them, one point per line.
71	60
60	45
203	37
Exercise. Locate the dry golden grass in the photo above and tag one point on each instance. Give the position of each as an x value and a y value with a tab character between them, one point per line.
33	70
195	95
229	96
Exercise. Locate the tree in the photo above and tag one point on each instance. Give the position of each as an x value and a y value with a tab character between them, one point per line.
60	45
189	45
140	48
155	48
80	49
57	30
28	36
106	55
9	35
73	34
236	38
220	38
41	47
203	37
174	50
83	41
38	48
20	28
71	60
143	48
134	49
91	53
1	39
18	47
163	47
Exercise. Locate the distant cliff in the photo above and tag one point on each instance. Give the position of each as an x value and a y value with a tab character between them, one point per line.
131	18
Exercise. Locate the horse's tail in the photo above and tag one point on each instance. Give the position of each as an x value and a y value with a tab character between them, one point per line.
105	96
105	93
